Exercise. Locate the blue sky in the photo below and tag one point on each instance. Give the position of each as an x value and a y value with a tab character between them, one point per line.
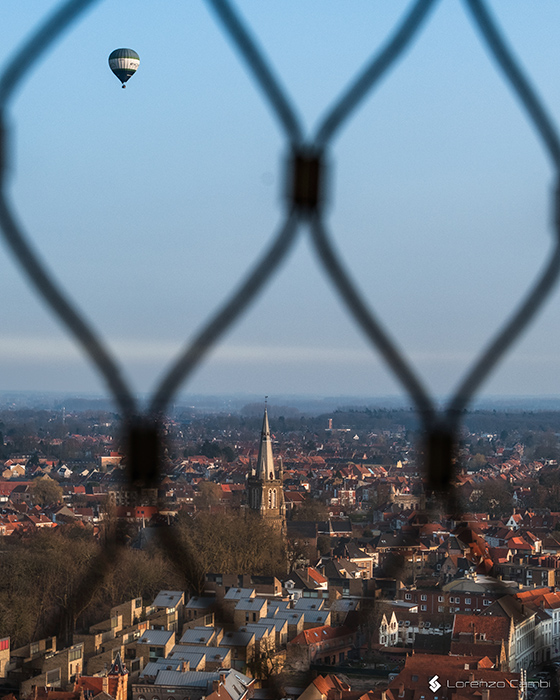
151	202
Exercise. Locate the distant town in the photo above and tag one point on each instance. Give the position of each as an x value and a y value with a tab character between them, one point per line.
279	555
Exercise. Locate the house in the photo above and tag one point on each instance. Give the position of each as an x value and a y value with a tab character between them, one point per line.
4	656
325	688
155	644
523	620
451	678
113	683
549	601
215	685
56	669
249	610
328	645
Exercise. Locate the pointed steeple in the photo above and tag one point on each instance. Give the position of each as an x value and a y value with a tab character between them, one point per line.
265	462
117	669
265	492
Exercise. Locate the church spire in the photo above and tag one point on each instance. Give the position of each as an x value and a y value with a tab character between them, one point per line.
265	461
265	489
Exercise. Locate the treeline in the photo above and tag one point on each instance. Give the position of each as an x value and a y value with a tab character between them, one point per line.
55	580
229	543
212	450
372	420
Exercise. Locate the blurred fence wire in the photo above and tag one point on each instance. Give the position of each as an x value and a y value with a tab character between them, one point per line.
307	160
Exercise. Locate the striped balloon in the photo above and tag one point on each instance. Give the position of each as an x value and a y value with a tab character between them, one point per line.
124	63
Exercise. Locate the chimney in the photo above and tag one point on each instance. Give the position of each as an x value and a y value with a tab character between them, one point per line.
105	686
215	686
184	667
222	677
471	677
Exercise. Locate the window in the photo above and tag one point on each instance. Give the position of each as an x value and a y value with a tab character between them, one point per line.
423	597
53	676
138	603
408	596
486	602
423	608
440	599
441	608
34	648
467	601
75	654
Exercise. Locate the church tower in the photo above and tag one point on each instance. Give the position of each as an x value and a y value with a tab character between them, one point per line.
265	483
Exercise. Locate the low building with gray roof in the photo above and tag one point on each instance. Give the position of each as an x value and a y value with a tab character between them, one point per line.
155	644
240	593
214	657
198	606
242	645
156	637
169	600
201	635
196	660
280	625
295	621
249	610
195	685
260	630
275	605
316	618
309	604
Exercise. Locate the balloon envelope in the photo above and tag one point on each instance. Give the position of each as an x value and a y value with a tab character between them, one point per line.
124	63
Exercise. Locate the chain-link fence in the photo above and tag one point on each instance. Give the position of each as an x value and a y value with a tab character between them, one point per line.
304	214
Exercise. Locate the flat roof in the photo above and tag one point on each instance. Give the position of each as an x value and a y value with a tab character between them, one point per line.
239	593
167	599
155	637
197	635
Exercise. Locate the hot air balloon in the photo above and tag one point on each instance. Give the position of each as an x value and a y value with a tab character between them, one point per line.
124	63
